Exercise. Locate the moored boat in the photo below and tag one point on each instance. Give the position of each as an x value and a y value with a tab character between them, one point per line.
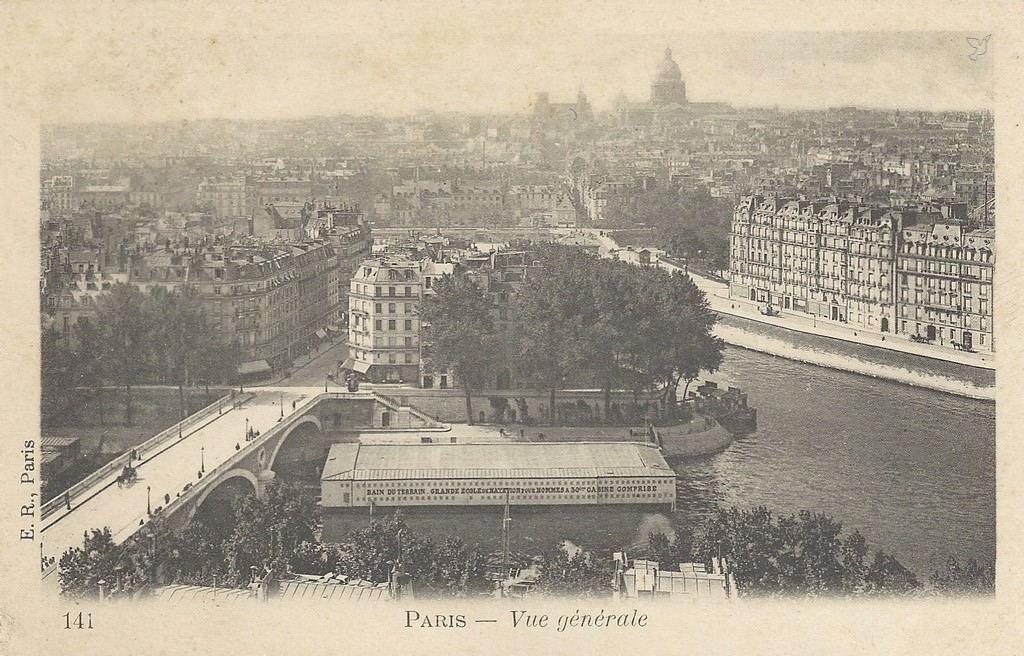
729	407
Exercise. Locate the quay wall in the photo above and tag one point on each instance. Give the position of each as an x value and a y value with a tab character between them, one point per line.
674	444
734	332
449	405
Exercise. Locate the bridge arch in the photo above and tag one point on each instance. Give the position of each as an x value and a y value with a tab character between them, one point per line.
224	478
305	421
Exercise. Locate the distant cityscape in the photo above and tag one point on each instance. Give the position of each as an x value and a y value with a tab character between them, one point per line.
271	219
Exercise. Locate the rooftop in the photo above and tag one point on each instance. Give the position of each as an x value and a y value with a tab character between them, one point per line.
496	460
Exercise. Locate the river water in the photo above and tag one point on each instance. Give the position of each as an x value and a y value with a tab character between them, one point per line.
912	470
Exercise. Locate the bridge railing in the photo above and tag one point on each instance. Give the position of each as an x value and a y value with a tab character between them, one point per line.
120	461
195	487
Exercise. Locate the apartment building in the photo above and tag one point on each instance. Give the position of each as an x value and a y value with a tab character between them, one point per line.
924	272
383	333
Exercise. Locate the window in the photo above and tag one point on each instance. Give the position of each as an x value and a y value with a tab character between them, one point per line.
391	324
391	291
377	308
408	342
408	291
408	324
377	324
392	308
376	291
408	358
427	282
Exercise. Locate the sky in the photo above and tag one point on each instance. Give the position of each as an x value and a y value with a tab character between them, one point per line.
169	62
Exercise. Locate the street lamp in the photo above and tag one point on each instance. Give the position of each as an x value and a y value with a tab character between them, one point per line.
246	429
325	383
202	459
282	405
149	507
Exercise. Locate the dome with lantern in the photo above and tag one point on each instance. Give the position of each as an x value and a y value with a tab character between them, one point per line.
668	86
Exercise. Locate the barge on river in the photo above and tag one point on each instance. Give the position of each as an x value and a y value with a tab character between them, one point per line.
524	473
728	407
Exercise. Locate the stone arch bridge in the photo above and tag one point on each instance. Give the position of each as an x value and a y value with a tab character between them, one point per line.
235	446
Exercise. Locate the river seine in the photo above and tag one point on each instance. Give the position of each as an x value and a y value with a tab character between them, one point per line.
912	470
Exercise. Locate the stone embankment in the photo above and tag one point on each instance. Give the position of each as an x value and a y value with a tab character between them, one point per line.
738	336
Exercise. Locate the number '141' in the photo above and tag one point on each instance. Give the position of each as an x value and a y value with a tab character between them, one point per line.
79	621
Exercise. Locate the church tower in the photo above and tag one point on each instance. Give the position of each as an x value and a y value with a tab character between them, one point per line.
668	86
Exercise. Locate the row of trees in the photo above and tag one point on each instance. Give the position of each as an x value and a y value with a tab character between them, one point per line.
580	319
273	535
265	534
798	555
807	555
160	337
689	223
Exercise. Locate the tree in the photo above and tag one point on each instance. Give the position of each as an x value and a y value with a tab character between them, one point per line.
672	339
216	362
614	285
456	569
690	222
387	545
119	567
191	554
670	550
269	530
688	320
458	329
82	568
556	310
887	575
371	552
124	331
89	362
802	554
576	574
639	328
971	578
57	373
314	558
180	336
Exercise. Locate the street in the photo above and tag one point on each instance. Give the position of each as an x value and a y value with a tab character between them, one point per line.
313	372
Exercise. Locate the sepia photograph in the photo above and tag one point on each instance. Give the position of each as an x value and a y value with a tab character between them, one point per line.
379	315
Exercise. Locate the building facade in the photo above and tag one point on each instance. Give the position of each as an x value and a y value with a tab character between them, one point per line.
275	302
383	332
923	272
227	197
945	284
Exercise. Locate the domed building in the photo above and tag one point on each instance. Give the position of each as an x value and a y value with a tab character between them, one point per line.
668	86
